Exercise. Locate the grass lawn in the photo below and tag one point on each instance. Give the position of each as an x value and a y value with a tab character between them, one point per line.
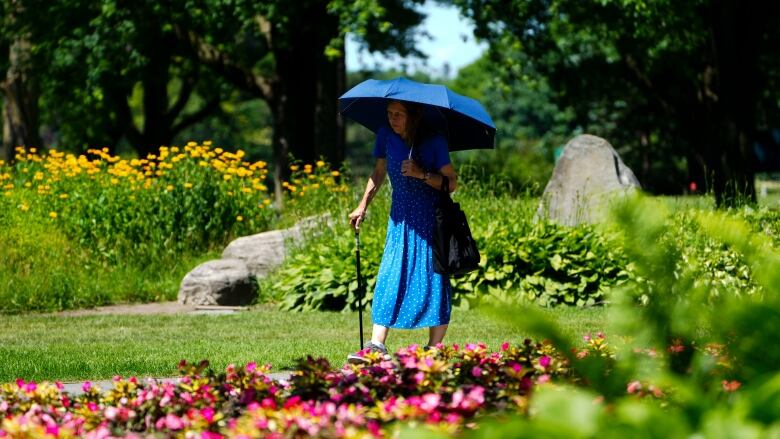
38	347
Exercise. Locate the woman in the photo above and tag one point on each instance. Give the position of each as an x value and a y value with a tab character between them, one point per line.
408	293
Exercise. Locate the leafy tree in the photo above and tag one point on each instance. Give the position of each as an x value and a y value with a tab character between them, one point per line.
94	58
260	47
690	78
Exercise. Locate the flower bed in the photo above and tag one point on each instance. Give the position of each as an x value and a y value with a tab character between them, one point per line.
448	389
445	389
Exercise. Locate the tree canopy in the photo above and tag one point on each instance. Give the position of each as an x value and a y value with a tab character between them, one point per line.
689	82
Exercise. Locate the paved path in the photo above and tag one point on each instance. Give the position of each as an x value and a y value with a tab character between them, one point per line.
76	388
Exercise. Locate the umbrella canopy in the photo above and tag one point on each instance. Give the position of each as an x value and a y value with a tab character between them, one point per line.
461	119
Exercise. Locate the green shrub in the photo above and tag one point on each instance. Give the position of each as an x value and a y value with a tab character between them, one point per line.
522	260
694	400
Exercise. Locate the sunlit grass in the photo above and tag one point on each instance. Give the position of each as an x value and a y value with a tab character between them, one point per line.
101	346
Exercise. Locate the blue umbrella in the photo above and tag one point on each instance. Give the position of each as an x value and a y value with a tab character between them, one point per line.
461	119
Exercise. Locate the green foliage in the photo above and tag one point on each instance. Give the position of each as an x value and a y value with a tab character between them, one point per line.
522	260
41	269
545	263
632	72
678	319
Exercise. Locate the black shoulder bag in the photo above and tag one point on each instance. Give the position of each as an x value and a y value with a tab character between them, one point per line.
454	250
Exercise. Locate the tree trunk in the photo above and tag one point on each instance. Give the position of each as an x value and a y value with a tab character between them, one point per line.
20	107
730	95
157	126
305	108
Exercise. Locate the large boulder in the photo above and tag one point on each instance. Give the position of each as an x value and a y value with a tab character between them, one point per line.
262	252
232	279
225	282
588	174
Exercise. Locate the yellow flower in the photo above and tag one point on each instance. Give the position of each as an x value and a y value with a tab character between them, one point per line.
169	188
24	207
335	173
266	201
320	163
294	167
63	196
53	214
239	218
207	143
187	185
227	177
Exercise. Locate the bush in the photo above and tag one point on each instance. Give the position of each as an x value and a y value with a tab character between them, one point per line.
522	260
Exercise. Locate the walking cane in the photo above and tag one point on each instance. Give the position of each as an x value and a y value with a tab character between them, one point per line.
359	285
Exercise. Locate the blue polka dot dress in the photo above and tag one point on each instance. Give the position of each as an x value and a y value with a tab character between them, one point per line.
408	293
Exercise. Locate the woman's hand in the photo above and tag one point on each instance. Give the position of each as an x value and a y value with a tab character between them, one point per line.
356	217
410	168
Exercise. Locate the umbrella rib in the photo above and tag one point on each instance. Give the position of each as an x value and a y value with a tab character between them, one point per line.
350	104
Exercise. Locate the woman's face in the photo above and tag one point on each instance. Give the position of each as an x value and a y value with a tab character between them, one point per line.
398	117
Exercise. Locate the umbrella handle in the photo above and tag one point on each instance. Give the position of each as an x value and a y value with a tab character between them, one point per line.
359	285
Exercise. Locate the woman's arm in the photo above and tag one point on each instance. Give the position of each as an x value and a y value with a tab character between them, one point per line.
372	187
434	179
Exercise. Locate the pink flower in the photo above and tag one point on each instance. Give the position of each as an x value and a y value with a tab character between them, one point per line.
86	386
430	401
53	430
173	422
586	337
505	346
59	385
634	386
731	386
208	414
110	413
544	361
543	379
251	367
476	372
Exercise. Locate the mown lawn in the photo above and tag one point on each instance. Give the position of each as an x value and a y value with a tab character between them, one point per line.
46	347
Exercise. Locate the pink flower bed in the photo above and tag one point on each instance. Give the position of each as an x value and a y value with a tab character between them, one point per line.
445	389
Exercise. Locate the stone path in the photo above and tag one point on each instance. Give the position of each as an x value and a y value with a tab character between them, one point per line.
77	388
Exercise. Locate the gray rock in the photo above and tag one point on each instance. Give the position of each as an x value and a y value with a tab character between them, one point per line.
587	176
262	252
218	282
231	280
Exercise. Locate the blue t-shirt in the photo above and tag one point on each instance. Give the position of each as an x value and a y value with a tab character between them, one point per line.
432	153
